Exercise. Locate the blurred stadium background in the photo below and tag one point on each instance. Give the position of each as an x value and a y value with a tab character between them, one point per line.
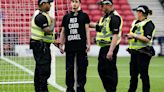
17	64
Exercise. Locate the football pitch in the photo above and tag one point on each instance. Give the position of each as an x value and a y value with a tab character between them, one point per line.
156	72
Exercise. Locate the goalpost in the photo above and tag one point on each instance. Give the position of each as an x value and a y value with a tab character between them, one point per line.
16	59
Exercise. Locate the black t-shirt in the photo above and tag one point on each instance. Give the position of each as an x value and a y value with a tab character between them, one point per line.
75	32
148	29
115	22
41	20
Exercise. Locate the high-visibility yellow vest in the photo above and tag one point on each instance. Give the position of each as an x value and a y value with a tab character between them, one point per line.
138	44
104	37
37	33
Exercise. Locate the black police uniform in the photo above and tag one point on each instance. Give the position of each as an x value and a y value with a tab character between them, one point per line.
139	63
42	56
107	68
75	47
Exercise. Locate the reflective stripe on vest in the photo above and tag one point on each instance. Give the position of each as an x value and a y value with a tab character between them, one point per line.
138	44
37	33
104	37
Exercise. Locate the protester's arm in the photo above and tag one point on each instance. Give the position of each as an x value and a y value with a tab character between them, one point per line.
62	36
92	25
62	40
88	37
87	24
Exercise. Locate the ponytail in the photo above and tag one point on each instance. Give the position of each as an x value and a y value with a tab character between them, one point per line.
150	12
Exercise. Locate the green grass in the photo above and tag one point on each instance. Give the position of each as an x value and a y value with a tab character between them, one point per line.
93	84
156	72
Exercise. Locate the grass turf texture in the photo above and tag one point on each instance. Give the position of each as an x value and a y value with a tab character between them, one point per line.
156	72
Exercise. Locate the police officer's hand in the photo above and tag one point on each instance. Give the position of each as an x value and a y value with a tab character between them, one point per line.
131	35
88	48
128	50
61	48
109	55
58	44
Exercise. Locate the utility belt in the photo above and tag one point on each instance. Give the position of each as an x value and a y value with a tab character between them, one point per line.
103	43
38	44
148	50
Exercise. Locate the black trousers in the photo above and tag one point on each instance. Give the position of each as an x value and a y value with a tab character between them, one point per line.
82	63
42	56
139	64
107	69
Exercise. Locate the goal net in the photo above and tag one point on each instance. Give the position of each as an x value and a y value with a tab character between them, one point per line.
16	59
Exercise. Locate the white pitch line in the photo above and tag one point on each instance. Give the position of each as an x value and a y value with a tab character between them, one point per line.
118	76
122	65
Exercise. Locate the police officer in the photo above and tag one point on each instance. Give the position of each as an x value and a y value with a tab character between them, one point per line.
75	35
108	38
42	26
140	38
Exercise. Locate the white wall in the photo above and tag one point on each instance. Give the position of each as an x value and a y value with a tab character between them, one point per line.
23	50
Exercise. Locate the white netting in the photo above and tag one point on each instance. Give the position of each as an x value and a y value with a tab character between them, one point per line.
16	62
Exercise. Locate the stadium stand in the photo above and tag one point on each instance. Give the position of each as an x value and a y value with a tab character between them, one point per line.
14	17
122	6
162	2
18	18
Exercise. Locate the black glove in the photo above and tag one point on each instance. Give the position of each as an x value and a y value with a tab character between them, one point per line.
98	28
128	50
32	44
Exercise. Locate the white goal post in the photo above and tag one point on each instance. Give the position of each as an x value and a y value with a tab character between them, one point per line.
16	60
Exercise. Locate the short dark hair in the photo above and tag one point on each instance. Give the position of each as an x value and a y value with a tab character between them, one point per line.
79	1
